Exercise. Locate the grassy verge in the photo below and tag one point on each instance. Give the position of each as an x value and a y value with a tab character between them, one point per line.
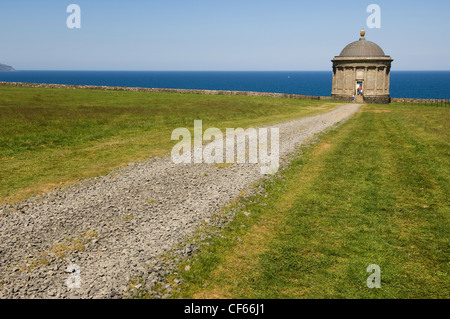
51	137
375	191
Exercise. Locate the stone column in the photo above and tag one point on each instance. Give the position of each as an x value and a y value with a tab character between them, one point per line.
388	78
354	80
334	80
376	80
365	80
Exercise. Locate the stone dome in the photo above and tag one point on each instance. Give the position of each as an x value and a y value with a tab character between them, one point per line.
362	48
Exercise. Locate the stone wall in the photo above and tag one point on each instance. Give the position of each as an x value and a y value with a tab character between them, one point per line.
138	89
425	101
219	92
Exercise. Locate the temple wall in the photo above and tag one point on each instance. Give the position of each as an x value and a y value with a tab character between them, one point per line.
374	73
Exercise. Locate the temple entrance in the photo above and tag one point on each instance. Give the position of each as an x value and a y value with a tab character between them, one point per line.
359	88
359	98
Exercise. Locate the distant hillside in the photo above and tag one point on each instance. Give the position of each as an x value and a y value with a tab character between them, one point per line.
6	68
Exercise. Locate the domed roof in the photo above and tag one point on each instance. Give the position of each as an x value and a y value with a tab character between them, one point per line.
362	48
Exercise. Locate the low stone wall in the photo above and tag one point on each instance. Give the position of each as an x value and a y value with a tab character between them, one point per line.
219	92
138	89
425	101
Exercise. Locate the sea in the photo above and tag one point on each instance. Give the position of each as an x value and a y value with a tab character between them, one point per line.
404	84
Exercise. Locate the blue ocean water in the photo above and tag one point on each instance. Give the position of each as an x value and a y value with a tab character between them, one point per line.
406	84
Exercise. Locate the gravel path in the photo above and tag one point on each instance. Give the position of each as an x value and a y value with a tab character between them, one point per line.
114	227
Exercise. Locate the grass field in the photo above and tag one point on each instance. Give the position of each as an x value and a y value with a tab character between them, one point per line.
375	191
51	137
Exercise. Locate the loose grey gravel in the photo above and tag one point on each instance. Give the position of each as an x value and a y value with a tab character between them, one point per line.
116	227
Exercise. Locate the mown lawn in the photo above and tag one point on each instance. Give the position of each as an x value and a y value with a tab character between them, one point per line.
50	137
374	191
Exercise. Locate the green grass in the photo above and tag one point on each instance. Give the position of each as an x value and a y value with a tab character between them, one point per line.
50	137
375	191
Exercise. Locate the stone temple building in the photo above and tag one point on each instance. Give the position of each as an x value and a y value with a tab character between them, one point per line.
363	70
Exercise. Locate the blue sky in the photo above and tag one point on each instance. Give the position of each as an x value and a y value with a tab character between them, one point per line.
218	35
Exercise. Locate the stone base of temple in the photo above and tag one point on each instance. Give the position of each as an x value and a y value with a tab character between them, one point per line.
376	99
340	97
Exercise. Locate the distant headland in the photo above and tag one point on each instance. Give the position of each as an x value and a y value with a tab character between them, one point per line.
6	68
